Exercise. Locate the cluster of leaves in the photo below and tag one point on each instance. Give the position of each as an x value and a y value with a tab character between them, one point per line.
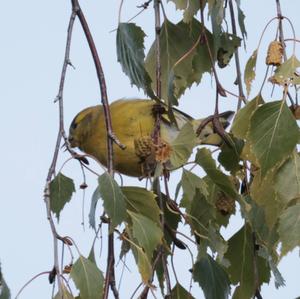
183	60
261	156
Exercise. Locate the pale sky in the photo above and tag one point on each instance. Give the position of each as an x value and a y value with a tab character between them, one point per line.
33	35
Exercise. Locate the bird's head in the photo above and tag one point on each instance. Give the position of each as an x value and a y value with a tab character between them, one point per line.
208	134
82	125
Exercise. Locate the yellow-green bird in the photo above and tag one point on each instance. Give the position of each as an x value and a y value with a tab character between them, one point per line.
133	123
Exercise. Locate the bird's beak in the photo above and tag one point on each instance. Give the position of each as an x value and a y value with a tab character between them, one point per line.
72	141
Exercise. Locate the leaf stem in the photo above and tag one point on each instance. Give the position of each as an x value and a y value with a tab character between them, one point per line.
30	281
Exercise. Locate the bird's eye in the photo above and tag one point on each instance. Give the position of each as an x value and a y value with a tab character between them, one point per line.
74	125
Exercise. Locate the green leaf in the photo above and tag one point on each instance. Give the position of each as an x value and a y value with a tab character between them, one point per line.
229	156
241	123
91	256
171	219
287	179
241	19
147	232
141	201
214	195
159	271
212	278
200	214
228	45
263	193
190	69
63	294
182	146
113	199
87	278
216	12
179	292
125	247
279	280
250	69
190	182
130	52
205	160
273	134
4	290
287	73
95	197
144	266
180	4
61	190
216	242
257	219
141	258
178	188
289	227
190	8
240	254
202	219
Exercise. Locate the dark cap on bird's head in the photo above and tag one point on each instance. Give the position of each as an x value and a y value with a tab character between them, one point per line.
80	126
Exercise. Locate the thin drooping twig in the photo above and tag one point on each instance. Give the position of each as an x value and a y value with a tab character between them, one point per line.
220	88
30	281
61	133
292	40
111	138
192	262
173	266
145	4
294	34
281	36
282	39
136	289
143	8
120	10
237	60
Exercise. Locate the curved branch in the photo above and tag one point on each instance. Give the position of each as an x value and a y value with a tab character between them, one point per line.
237	60
111	138
61	133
